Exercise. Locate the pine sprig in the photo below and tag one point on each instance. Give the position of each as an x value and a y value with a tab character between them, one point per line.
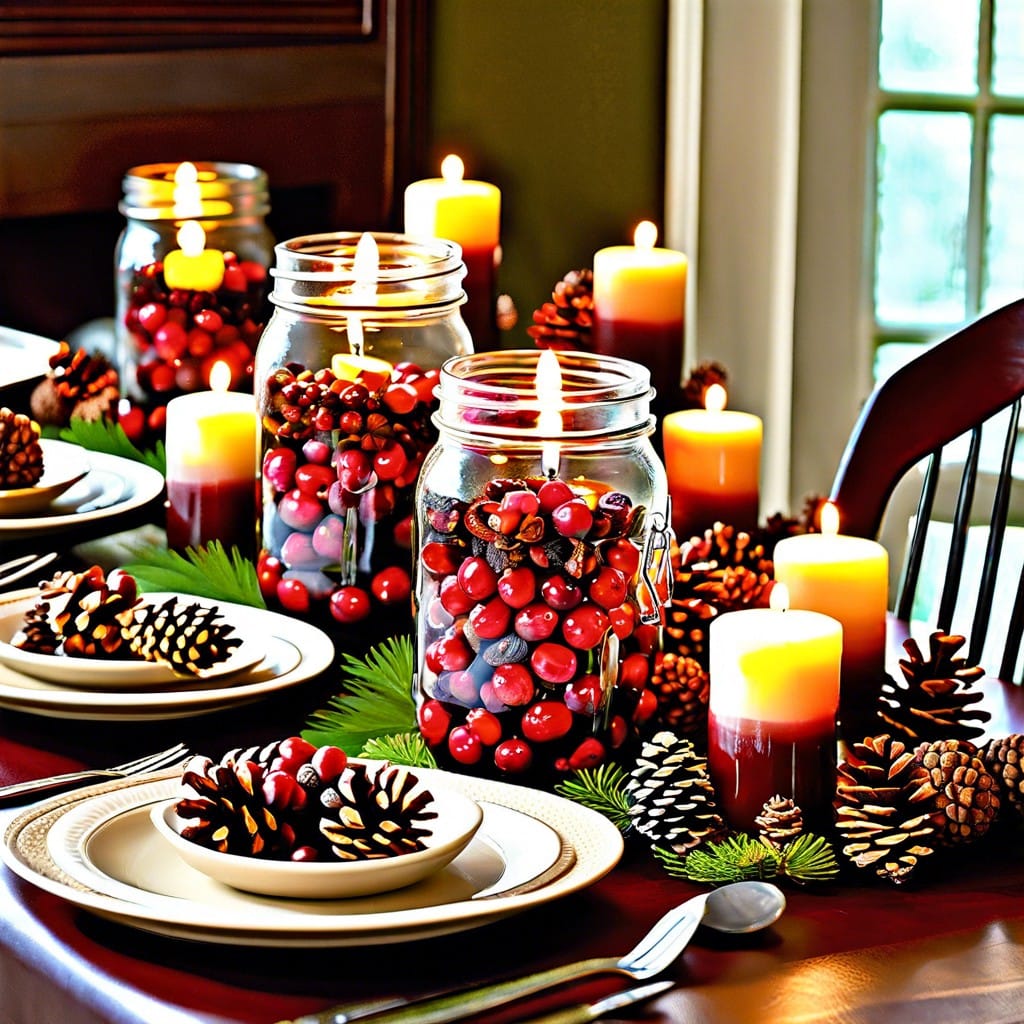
734	859
376	699
207	571
809	858
109	438
408	748
601	789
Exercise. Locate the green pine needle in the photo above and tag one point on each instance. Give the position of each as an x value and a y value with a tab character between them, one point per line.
110	438
734	859
601	789
376	699
809	858
408	748
204	572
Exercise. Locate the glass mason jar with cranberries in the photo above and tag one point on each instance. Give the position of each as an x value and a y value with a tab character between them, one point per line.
345	377
542	564
191	279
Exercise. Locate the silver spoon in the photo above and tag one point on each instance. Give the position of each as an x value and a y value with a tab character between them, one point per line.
739	907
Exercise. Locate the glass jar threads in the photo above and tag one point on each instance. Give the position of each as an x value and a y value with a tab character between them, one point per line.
542	563
345	378
191	277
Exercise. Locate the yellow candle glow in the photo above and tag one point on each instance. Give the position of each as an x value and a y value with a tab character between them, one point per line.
373	372
192	266
713	463
847	578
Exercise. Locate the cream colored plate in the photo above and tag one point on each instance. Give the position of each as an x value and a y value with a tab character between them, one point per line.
24	356
532	847
294	651
63	466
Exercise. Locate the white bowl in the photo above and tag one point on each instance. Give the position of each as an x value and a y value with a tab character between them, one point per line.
457	821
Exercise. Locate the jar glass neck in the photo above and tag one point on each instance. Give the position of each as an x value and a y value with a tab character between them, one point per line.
221	192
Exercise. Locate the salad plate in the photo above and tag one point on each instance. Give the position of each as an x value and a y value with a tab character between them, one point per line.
24	357
63	466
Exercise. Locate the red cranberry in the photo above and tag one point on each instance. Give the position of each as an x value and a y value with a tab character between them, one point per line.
317	451
269	570
536	622
622	554
439	559
573	518
546	720
513	756
209	320
623	620
314	479
152	316
401	398
453	598
434	720
390	462
583	695
485	725
463	687
329	762
645	706
517	587
609	587
282	792
513	685
589	754
552	494
329	538
448	654
350	604
464	745
298	551
526	503
293	595
561	593
618	731
300	511
391	585
295	750
477	578
635	671
304	854
585	626
554	663
491	619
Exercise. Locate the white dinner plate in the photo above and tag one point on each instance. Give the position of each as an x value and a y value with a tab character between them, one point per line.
63	466
294	651
112	487
532	847
24	356
124	673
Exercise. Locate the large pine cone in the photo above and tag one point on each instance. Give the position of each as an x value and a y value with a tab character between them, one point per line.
21	455
189	637
682	687
885	810
1003	757
933	701
78	384
672	801
780	821
567	320
966	793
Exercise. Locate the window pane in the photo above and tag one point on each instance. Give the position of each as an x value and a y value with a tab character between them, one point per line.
1004	277
1008	48
929	46
924	166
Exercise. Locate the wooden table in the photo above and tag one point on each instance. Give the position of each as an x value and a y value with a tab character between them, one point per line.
947	947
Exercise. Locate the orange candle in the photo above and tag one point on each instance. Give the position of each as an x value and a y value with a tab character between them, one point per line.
469	213
847	578
713	462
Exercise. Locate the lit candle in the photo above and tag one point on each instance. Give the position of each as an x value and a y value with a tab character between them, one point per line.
192	266
639	304
713	463
847	578
468	213
212	466
772	710
549	417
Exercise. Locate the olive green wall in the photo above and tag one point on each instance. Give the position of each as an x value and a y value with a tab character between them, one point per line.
561	104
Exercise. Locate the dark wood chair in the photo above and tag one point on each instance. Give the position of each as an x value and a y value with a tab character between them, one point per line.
940	403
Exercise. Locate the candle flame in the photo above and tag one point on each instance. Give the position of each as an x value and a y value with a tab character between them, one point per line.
549	401
715	398
366	265
452	169
188	199
829	519
778	600
220	376
646	235
191	238
186	173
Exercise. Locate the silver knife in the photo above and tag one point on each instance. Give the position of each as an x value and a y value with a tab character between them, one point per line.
583	1013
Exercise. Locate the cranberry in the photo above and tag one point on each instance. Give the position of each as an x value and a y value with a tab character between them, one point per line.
546	720
402	533
329	537
573	518
464	745
554	663
526	503
536	622
635	671
454	599
645	706
618	730
583	695
513	685
561	593
449	654
268	573
314	479
199	343
518	587
434	720
585	626
299	551
463	687
491	619
623	620
477	579
152	316
293	595
350	604
300	511
209	320
390	462
589	754
609	588
162	378
295	750
552	494
282	792
234	279
122	583
485	725
329	762
304	854
401	398
439	559
170	341
513	756
622	554
391	585
318	452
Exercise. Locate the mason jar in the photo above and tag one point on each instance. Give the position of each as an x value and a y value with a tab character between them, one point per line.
178	315
542	563
345	377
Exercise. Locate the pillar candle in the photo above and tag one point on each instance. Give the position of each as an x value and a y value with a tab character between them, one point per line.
468	213
639	305
847	578
713	463
772	712
212	467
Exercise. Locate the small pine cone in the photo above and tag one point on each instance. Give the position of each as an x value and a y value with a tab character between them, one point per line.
78	384
933	701
700	379
188	637
780	821
378	813
567	320
21	455
672	801
967	794
736	587
36	633
884	809
88	615
682	687
1003	757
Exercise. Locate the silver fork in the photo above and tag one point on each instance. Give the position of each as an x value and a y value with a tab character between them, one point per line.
16	568
140	766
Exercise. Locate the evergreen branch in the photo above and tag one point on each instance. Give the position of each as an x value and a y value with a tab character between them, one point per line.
110	439
208	572
408	748
734	859
601	789
376	699
809	858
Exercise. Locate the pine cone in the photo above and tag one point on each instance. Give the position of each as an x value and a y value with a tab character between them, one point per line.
780	821
21	455
884	809
934	700
967	794
36	633
682	687
375	814
1003	757
188	637
88	615
567	320
672	801
700	379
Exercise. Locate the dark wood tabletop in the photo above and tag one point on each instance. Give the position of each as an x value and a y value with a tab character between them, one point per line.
948	946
